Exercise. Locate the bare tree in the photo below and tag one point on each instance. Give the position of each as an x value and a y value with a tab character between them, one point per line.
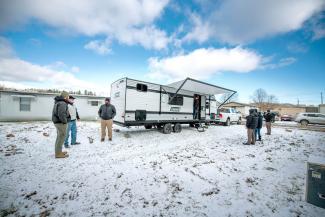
225	98
271	101
259	97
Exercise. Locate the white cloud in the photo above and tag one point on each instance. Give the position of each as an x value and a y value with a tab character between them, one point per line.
127	21
238	22
99	47
203	63
15	71
281	63
75	69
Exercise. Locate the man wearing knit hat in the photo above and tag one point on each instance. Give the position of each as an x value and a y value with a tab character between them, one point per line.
60	119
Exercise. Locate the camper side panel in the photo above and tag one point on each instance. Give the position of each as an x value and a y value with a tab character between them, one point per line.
118	91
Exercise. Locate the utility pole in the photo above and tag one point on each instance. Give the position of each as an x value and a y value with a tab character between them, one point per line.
321	97
298	101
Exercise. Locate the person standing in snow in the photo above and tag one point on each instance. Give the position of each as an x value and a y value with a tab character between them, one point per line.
60	118
251	124
259	126
72	125
268	118
107	113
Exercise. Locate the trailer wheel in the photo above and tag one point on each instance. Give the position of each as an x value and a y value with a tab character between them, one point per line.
167	129
148	126
177	128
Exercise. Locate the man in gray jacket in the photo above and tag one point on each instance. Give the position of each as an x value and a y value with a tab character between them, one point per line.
60	118
106	112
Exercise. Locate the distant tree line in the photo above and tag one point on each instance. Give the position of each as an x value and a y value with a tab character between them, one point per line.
37	90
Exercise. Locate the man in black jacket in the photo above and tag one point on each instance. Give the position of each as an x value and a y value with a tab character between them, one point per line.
268	118
251	124
60	118
106	112
259	126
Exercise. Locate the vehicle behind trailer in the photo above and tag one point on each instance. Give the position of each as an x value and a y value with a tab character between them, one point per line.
226	116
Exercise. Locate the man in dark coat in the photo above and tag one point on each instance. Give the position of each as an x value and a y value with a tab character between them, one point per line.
251	124
60	116
268	118
106	112
259	126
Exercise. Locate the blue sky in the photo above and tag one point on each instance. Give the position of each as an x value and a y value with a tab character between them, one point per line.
242	45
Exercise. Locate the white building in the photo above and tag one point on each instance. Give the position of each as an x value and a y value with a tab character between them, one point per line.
32	106
321	108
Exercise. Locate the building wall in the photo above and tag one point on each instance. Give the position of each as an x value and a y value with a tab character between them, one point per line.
293	111
41	108
322	108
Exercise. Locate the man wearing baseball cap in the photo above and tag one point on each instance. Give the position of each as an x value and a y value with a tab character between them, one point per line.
60	119
72	125
106	112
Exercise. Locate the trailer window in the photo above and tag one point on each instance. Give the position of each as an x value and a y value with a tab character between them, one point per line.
177	100
24	104
142	87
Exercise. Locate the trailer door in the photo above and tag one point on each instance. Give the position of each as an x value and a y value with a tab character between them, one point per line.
203	110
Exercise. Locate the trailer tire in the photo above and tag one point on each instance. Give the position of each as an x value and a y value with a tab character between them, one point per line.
167	129
177	128
148	126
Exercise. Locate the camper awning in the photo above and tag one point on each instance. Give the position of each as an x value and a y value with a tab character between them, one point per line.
199	87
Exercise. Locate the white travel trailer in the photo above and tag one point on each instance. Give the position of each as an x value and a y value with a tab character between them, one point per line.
187	101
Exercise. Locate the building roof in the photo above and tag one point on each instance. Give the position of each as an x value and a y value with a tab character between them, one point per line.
20	92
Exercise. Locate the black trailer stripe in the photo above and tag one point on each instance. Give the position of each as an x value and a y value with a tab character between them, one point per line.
158	91
157	112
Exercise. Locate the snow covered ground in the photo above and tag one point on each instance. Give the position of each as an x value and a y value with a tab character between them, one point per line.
146	173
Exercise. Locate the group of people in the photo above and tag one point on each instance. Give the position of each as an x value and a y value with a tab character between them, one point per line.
65	115
254	124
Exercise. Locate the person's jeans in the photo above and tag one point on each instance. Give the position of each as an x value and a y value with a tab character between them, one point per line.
72	126
258	132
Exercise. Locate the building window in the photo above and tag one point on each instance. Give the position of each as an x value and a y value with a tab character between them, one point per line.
24	104
94	103
177	100
142	87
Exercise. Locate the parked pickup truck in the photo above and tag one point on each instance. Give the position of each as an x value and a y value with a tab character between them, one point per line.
227	116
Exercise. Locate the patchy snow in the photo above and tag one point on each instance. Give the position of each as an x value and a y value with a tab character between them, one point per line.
146	173
286	123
